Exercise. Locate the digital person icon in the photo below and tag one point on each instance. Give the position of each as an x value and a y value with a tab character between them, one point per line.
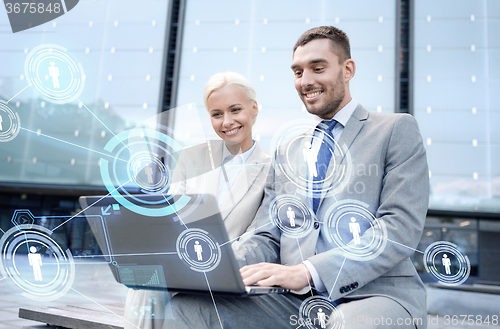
149	172
198	249
355	230
322	318
35	260
446	263
310	157
291	216
54	73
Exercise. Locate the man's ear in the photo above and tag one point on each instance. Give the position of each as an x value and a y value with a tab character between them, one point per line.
350	69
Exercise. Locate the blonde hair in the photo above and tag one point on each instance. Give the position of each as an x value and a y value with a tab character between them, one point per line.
219	80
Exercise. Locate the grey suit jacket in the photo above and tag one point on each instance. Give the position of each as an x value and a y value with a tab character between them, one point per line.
388	172
198	170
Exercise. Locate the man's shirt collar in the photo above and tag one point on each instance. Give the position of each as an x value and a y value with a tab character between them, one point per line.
344	114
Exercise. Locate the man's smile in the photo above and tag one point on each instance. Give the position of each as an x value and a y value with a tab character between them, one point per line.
312	95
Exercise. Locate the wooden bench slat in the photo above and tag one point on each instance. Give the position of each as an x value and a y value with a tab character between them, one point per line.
115	308
77	316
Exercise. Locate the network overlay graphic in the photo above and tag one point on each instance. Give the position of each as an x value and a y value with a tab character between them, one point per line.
137	168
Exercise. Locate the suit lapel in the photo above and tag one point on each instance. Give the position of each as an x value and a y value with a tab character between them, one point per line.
251	169
352	128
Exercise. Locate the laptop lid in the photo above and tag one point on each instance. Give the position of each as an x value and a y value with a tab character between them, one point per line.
187	250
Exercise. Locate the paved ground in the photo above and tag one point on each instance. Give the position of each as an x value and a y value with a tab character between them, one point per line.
465	306
94	284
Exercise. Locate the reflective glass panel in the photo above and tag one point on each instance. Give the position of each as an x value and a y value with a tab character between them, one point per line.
456	78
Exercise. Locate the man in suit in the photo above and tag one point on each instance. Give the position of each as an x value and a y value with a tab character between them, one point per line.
377	175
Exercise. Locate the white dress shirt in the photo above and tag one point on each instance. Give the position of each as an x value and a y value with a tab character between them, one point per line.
229	171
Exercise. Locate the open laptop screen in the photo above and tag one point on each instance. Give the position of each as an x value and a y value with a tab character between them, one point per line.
186	250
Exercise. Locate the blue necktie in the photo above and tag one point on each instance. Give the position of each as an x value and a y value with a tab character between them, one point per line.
324	156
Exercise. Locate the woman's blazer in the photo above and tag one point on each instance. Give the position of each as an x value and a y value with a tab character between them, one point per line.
198	171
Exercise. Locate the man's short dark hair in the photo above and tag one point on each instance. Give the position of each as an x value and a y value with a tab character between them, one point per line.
340	40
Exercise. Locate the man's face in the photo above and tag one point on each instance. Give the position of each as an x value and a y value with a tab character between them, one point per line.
319	78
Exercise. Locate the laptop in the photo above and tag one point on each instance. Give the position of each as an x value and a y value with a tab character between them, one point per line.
174	242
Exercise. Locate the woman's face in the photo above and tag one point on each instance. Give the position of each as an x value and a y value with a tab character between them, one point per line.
232	115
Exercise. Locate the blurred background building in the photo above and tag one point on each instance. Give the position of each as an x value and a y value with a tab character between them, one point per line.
437	60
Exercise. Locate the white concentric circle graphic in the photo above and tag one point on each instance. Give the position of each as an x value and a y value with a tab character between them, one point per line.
317	312
10	124
355	230
291	216
37	262
54	73
446	263
198	250
149	172
294	142
141	162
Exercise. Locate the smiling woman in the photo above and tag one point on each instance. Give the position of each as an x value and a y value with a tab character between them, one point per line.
233	169
230	101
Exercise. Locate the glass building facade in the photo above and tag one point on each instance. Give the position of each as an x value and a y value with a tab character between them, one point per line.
456	79
256	38
120	46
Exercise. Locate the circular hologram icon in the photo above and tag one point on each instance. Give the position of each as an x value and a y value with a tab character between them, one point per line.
297	144
10	124
446	263
149	172
141	161
355	230
37	262
317	312
198	249
54	73
291	216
